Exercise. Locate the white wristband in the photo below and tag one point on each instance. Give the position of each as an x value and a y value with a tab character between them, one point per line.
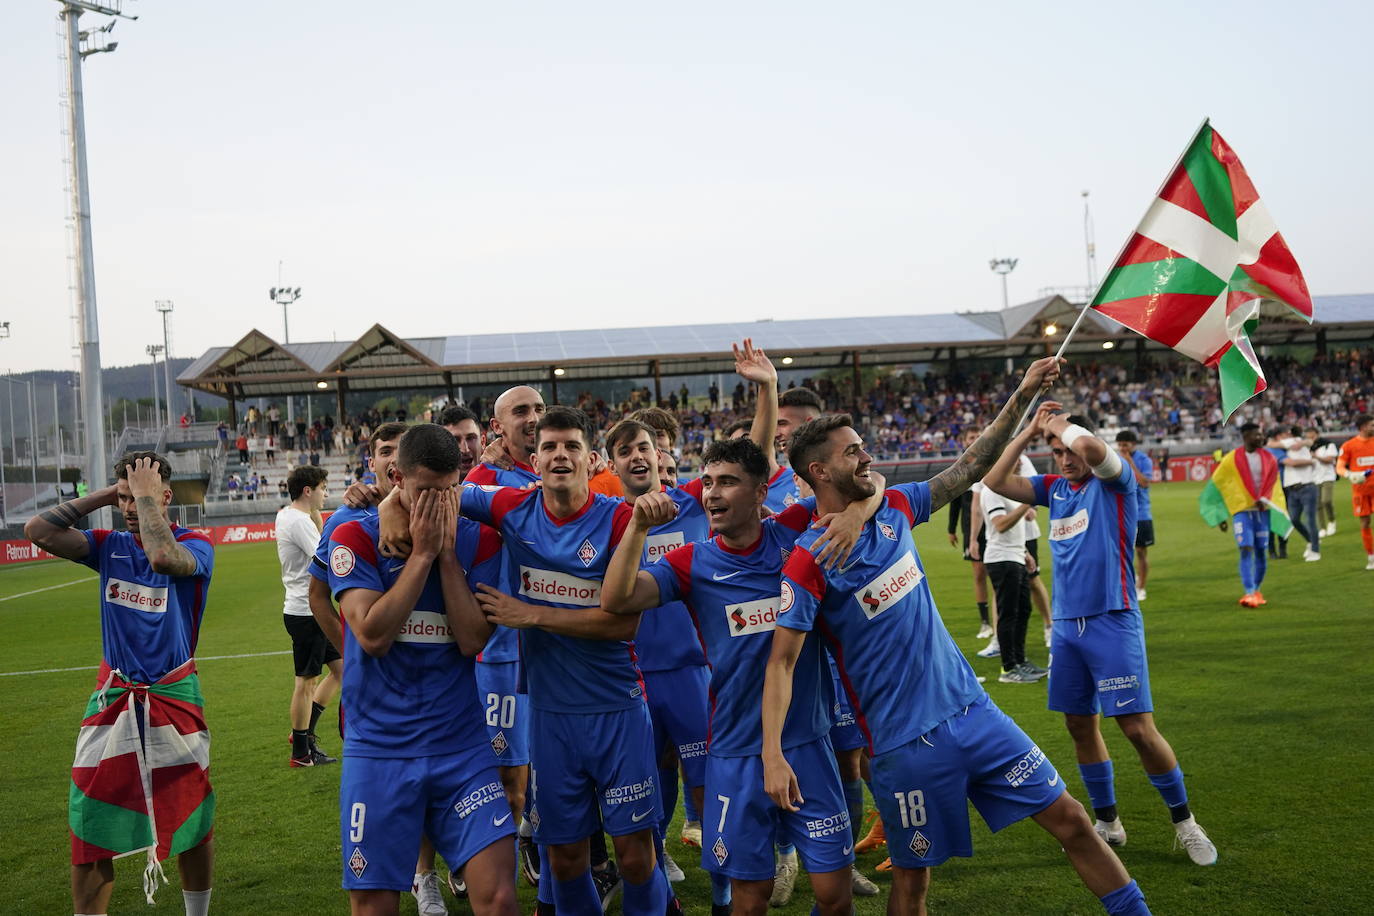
1072	434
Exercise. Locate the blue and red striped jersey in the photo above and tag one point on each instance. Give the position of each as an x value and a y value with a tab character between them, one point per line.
1092	540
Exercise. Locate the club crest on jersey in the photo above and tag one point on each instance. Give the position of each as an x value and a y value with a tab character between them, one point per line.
341	560
135	596
586	553
890	586
887	531
919	844
719	850
357	863
786	599
785	554
498	744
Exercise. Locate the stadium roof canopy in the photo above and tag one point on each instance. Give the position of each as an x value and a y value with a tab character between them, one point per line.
258	366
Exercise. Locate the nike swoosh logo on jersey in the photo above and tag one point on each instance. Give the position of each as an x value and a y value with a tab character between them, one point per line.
636	818
1057	496
498	821
1055	780
844	569
1121	703
120	556
719	578
528	541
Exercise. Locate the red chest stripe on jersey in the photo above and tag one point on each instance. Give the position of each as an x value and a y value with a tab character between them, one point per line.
488	544
837	652
795	518
483	474
801	568
100	534
897	500
777	476
693	488
505	500
352	536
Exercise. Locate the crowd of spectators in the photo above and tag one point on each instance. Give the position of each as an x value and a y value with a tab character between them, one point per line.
903	414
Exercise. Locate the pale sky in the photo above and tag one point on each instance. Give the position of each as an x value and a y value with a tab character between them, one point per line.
477	167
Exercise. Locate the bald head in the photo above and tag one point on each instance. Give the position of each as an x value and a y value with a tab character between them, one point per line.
517	411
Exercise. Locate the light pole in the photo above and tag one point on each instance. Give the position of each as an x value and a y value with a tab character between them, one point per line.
1089	247
165	307
285	296
4	503
153	350
33	437
1003	266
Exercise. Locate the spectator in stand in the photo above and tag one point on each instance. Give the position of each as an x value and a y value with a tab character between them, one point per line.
254	449
271	449
315	457
232	486
241	443
273	420
222	434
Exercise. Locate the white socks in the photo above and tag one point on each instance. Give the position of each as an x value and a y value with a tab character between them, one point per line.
197	902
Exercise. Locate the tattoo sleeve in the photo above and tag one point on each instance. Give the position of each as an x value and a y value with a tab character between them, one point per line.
979	458
165	554
62	516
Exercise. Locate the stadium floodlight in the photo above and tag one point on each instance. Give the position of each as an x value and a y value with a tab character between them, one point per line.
787	360
560	371
285	296
1051	329
4	329
322	384
1002	267
1108	344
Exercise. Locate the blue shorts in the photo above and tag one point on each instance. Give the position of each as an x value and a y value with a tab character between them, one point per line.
582	760
740	823
679	707
386	803
1098	664
507	712
1251	528
845	734
978	754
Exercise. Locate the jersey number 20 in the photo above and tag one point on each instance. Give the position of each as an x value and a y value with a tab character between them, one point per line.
500	710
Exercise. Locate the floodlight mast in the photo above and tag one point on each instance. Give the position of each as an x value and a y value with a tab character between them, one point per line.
96	470
1002	267
285	296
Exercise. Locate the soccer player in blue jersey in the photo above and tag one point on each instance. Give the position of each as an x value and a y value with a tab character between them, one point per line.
1128	444
937	739
590	734
1097	657
154	579
516	412
729	586
415	755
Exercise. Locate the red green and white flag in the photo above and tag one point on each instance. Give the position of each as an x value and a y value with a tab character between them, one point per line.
1204	264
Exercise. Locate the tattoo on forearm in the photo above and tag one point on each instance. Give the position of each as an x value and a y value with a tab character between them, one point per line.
978	459
157	536
62	516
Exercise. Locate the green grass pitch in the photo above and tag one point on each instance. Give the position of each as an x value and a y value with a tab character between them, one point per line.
1269	711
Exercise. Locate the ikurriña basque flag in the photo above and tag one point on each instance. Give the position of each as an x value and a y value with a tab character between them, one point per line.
1204	264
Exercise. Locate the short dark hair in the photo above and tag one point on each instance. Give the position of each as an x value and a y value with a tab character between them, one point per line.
123	465
626	431
560	417
1362	419
658	420
428	446
743	423
452	416
1295	430
743	452
1127	435
307	475
801	397
1080	420
1247	427
385	433
810	438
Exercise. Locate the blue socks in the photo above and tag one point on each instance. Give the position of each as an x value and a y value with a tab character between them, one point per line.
578	897
647	899
854	801
545	894
720	889
689	809
667	781
1099	778
1126	901
786	849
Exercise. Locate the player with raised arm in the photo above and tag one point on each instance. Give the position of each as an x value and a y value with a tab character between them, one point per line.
140	779
517	410
415	756
1097	661
936	737
1356	464
729	585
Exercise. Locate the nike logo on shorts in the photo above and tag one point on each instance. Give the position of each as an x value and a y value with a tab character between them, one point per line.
498	821
1121	703
636	818
1055	780
847	850
719	578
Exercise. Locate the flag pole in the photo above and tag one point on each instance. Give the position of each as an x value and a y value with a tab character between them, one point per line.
1102	282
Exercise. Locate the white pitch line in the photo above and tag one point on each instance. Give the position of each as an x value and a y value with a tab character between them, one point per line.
49	588
202	658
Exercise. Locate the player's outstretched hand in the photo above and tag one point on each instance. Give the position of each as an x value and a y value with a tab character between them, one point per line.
504	610
1042	373
145	479
654	509
780	782
495	456
753	364
361	495
393	527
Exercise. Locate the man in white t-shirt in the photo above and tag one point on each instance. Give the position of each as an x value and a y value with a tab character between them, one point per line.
1324	453
298	534
1005	559
1300	490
